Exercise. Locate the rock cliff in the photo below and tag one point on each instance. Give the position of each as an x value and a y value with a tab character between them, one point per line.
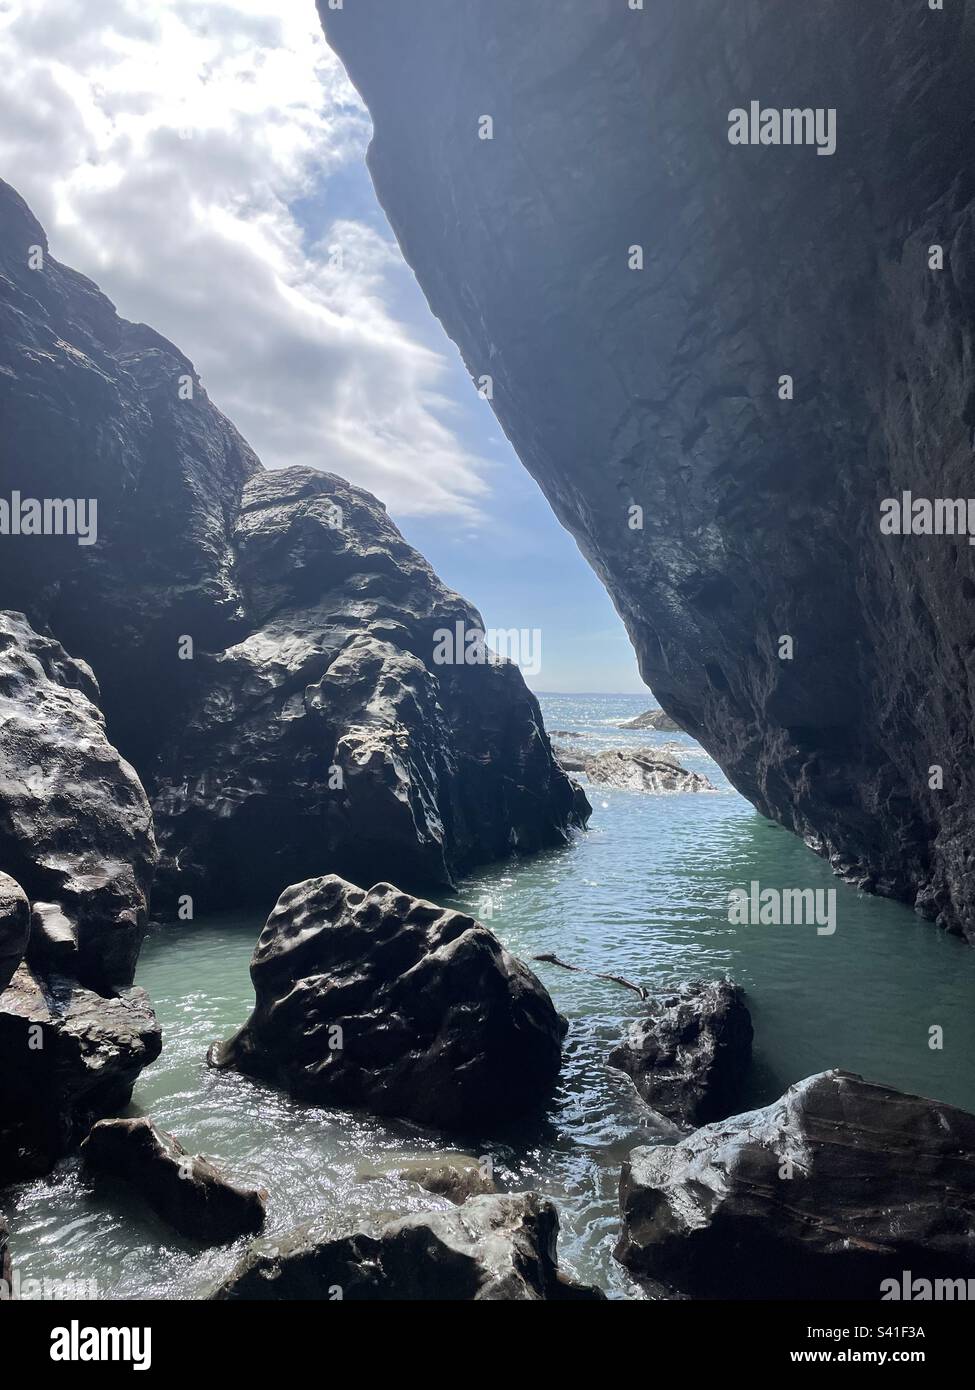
266	642
719	359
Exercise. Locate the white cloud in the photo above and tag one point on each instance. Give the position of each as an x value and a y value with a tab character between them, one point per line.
183	155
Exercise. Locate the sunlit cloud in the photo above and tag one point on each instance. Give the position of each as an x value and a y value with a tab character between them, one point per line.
190	157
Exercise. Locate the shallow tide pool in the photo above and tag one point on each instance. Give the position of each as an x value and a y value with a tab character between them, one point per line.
643	894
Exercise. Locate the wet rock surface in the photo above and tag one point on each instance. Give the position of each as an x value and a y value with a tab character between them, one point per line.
642	770
265	641
491	1248
832	1189
14	927
75	825
187	1191
760	513
381	1001
690	1056
329	735
70	1056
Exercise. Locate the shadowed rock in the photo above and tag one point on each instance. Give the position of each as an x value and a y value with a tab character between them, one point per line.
689	1057
187	1192
381	1001
70	1056
266	642
756	407
14	927
329	735
75	825
492	1248
832	1189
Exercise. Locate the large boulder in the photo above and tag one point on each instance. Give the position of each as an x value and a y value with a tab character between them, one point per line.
491	1248
689	1057
70	1056
824	1194
14	927
329	736
265	641
187	1191
75	826
718	360
381	1001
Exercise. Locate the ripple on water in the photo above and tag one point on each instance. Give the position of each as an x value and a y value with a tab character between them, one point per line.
642	895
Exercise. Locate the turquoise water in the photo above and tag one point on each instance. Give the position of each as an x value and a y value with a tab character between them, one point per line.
642	894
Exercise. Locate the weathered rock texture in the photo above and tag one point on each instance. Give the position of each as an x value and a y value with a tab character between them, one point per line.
659	387
75	826
187	1191
491	1248
313	624
382	1001
689	1057
70	1056
14	927
328	737
643	770
653	719
832	1189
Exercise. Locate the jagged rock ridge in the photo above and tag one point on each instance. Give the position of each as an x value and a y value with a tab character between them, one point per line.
265	642
659	387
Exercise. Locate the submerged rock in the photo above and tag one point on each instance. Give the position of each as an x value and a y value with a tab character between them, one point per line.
752	409
381	1001
645	770
457	1180
14	927
75	825
832	1189
187	1192
70	1056
689	1057
653	719
491	1248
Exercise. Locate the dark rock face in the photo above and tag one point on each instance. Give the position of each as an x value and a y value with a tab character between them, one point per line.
834	1188
70	1056
14	927
689	1056
490	1249
188	1192
6	1270
313	624
329	735
95	407
653	719
75	826
381	1001
660	388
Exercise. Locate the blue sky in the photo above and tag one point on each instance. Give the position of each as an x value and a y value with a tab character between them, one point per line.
204	162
